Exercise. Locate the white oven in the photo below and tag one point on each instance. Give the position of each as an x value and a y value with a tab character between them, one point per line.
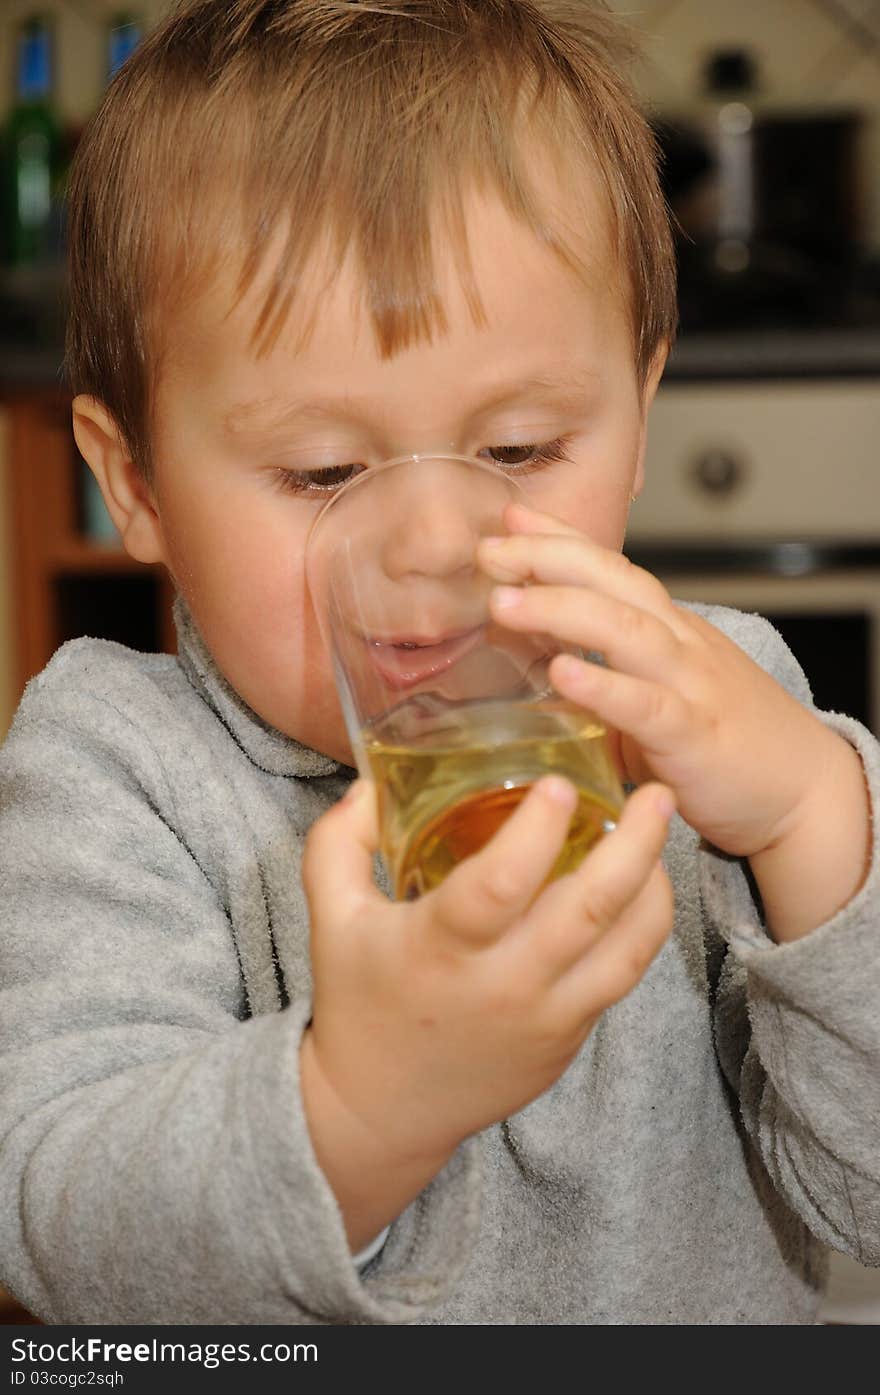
766	496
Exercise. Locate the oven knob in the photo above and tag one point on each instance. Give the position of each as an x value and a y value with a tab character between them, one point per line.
718	472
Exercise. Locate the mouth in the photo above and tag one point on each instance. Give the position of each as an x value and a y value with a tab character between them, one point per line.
404	661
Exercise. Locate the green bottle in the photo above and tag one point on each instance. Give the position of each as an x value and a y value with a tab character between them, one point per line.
32	148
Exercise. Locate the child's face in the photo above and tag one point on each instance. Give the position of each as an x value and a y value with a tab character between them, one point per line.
554	361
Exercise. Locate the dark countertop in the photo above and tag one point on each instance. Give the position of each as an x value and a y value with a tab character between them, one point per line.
25	369
832	352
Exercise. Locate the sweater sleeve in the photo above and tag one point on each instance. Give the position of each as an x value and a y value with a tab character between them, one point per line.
156	1161
798	1024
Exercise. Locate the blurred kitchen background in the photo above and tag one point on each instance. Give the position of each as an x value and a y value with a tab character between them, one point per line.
763	488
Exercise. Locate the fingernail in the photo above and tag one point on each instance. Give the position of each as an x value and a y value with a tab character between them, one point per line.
559	791
507	597
494	542
567	666
665	805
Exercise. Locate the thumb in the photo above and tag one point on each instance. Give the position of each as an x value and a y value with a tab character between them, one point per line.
337	866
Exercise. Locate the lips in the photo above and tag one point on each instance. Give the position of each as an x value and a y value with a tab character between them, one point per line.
404	662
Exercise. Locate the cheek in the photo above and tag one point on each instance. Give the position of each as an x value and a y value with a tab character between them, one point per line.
310	645
595	501
238	562
241	547
272	619
593	492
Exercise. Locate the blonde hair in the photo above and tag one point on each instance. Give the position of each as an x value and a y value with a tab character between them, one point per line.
353	119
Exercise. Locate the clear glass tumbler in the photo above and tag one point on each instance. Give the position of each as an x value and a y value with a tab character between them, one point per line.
451	715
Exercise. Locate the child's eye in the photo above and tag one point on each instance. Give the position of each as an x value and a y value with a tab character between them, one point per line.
317	482
525	458
520	459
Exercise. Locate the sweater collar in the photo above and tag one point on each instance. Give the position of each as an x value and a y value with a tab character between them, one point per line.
268	748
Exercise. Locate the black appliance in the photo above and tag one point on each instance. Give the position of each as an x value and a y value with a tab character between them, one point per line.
769	210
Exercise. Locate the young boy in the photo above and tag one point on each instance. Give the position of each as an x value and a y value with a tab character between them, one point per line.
239	1084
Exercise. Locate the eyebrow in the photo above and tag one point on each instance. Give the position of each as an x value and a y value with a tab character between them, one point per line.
264	415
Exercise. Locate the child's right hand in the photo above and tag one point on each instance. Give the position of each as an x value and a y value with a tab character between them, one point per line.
434	1018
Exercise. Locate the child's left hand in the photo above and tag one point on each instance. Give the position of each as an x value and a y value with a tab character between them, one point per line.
750	766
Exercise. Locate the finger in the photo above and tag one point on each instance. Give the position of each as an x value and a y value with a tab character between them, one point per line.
630	638
620	959
577	910
653	714
488	891
337	865
573	560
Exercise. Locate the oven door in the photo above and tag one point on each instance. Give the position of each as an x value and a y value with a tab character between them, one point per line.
829	614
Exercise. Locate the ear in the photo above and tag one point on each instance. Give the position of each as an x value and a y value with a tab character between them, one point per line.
127	495
652	382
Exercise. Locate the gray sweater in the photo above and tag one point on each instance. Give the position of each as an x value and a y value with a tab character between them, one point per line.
720	1126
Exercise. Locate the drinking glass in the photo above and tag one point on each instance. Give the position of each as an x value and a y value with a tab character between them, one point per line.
451	715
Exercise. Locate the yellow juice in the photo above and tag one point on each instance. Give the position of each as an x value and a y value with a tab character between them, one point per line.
447	780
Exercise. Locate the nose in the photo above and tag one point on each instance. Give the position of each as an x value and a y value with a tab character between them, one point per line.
432	523
433	541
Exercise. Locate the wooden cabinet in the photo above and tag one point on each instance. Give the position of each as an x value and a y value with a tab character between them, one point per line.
64	583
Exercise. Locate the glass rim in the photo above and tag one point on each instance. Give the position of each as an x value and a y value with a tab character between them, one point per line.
345	490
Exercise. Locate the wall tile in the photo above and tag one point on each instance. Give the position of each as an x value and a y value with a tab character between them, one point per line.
806	58
787	36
